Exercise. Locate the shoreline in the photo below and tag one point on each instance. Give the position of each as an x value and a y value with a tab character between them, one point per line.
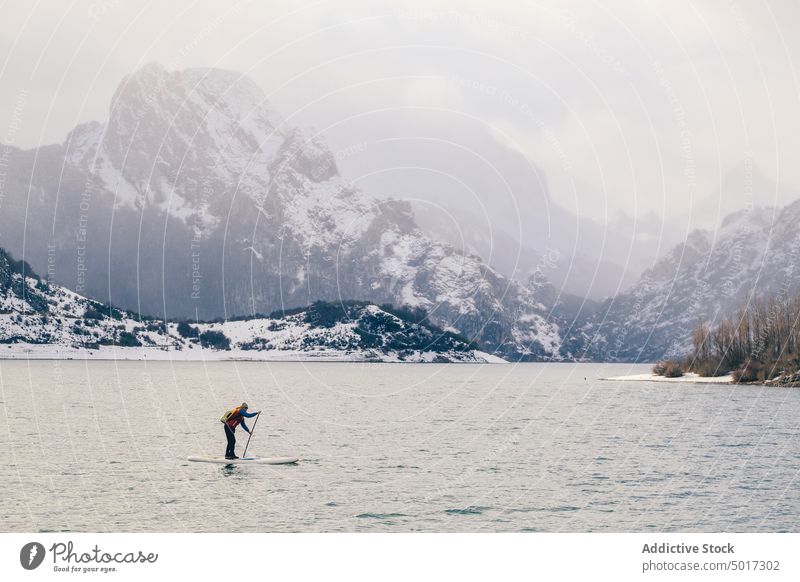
688	378
49	352
692	378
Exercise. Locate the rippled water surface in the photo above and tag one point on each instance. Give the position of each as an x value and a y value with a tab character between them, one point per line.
101	446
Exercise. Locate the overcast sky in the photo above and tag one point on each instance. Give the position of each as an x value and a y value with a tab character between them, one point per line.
636	106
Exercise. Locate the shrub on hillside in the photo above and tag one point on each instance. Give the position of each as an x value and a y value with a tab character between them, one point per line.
157	326
186	330
410	314
215	339
324	314
92	313
276	325
128	340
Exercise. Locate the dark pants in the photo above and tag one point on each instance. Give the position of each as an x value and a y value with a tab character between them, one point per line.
231	440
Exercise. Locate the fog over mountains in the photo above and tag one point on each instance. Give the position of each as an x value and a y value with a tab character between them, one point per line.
195	199
576	256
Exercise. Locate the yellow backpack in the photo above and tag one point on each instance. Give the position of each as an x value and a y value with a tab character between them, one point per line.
230	414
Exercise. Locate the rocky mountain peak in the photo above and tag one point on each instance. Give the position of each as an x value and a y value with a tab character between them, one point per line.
169	124
211	95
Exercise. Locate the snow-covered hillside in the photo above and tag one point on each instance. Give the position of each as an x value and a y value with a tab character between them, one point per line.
196	200
38	319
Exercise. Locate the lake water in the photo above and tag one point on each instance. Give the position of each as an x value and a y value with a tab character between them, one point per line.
101	446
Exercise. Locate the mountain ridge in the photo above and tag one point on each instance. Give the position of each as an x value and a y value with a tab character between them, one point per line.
38	318
195	200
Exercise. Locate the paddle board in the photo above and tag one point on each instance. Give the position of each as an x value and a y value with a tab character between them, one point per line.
246	460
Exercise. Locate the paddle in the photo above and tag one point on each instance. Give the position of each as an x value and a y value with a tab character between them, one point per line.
255	422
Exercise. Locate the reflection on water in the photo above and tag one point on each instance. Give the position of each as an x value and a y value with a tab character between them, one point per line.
102	446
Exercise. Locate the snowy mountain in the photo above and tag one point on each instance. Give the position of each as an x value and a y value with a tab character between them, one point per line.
713	273
39	319
196	200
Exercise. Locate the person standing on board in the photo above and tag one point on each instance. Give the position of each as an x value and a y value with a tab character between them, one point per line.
231	419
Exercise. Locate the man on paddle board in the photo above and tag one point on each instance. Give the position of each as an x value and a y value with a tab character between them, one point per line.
231	419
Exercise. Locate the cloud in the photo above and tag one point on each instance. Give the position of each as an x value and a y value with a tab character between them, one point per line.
602	96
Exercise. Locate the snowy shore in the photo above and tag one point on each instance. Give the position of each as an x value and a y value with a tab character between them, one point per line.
688	378
23	351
